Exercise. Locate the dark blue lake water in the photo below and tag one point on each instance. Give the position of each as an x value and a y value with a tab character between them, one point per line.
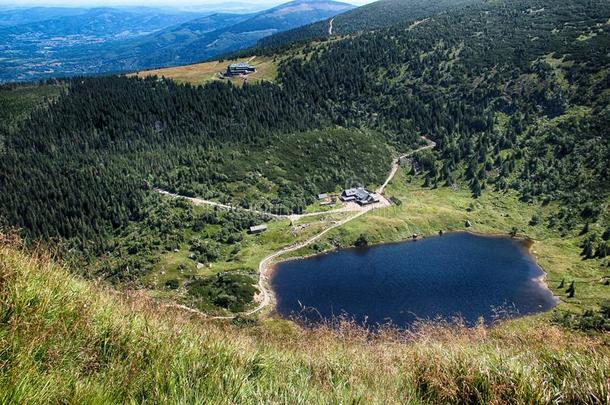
455	274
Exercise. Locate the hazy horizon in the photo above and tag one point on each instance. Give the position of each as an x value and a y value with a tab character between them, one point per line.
179	4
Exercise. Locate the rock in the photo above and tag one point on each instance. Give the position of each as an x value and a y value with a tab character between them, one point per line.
467	224
199	266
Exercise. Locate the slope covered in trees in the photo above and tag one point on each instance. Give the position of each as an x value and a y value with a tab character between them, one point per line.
374	16
82	166
515	93
515	96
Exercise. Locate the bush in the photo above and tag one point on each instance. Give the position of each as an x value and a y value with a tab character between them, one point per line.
598	321
362	241
228	291
207	250
396	201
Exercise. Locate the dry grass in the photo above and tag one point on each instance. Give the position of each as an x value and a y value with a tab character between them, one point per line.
67	340
201	73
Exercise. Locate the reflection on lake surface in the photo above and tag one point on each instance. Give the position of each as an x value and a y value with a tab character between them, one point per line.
455	274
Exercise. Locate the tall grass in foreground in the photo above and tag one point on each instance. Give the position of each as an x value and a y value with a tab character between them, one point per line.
67	340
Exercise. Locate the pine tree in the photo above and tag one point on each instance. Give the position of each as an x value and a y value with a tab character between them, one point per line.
570	290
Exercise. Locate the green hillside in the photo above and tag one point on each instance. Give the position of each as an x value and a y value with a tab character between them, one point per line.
18	101
512	106
108	284
515	96
521	105
373	16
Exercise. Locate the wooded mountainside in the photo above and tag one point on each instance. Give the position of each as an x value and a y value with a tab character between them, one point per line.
515	93
373	16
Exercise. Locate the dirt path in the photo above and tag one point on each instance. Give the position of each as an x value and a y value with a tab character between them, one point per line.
263	265
200	201
330	26
349	207
396	163
265	295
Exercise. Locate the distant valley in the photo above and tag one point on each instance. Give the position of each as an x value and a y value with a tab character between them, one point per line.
58	42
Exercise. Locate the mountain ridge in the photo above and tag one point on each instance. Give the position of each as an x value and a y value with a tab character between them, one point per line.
376	15
105	40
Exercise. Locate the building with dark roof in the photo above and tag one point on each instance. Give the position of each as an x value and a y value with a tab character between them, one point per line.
239	69
359	195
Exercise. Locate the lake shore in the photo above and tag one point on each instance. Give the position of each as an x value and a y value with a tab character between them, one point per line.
425	211
527	243
452	244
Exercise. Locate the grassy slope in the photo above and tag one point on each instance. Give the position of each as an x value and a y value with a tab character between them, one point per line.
199	73
253	249
425	211
66	340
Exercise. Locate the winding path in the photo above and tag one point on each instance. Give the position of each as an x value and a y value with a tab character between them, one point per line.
396	163
200	201
265	294
350	207
330	26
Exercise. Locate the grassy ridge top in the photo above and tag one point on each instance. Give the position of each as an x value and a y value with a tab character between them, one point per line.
66	340
201	73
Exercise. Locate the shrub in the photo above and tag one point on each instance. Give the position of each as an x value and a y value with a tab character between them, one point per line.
588	320
224	290
396	201
362	241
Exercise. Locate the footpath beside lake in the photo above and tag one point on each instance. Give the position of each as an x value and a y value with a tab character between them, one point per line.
457	274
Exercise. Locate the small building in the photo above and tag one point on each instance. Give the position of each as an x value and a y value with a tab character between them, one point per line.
359	195
258	228
328	201
239	69
325	199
